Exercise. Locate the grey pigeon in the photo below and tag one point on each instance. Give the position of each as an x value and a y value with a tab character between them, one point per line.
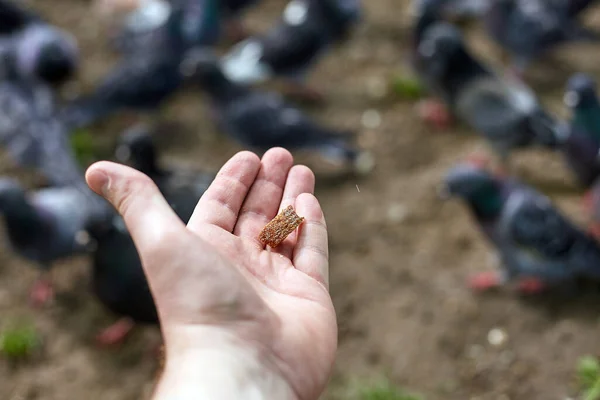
579	138
140	82
43	225
504	111
529	29
537	246
261	120
307	29
32	48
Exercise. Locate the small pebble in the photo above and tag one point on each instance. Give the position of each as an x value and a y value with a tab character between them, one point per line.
371	119
497	337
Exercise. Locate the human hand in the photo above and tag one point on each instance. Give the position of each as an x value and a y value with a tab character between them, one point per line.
224	301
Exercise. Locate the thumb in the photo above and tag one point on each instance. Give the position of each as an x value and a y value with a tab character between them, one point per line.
146	213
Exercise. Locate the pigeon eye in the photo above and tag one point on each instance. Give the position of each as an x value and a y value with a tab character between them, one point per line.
571	99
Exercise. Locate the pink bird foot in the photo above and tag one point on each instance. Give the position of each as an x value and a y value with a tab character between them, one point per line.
434	112
531	286
116	333
41	293
485	281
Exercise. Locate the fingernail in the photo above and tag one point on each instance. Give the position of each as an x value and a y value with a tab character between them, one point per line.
99	182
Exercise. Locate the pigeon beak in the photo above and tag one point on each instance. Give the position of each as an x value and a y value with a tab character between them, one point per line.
443	192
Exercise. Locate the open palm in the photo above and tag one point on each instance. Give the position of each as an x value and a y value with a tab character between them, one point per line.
215	273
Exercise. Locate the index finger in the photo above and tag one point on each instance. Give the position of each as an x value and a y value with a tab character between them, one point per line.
221	203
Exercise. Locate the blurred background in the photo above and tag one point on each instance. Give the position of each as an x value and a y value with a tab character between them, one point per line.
399	256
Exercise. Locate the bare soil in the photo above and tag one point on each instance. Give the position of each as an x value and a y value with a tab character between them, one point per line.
399	256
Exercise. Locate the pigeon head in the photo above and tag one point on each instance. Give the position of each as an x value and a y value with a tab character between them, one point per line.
54	65
136	148
581	91
474	185
440	44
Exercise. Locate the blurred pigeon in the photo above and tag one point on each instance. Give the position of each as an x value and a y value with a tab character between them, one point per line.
42	225
306	31
32	48
141	82
118	279
580	138
181	186
146	28
528	29
506	112
45	226
261	120
538	247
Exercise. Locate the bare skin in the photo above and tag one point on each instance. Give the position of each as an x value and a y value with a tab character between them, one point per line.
219	292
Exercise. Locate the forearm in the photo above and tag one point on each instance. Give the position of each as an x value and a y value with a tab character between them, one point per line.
222	369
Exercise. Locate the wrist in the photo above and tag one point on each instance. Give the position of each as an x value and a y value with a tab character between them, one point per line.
218	365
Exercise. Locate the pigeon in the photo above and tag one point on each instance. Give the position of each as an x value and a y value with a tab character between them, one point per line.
32	48
140	82
579	139
306	31
538	247
261	120
118	277
42	225
146	28
504	111
529	29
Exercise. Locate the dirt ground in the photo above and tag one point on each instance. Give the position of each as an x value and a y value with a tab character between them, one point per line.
399	257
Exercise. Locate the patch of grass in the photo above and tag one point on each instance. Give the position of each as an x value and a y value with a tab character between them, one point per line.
84	148
407	87
588	374
19	341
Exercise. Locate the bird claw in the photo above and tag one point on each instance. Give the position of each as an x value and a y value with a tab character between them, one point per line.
531	286
434	112
41	293
115	334
485	281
